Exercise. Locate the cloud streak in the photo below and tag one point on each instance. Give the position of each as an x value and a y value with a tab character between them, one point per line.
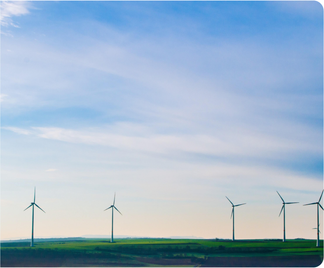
51	170
18	130
10	9
225	144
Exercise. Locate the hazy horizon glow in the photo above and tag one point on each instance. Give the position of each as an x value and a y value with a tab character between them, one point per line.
173	106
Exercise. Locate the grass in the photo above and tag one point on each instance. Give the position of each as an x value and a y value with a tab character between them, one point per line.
155	252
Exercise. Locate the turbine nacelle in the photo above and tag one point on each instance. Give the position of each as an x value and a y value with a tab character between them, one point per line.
316	229
317	203
233	206
284	203
113	207
34	203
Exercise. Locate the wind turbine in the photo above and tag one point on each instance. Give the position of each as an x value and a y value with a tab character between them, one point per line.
112	218
32	205
318	206
232	214
284	214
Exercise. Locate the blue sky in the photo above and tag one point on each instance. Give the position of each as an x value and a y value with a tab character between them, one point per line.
172	105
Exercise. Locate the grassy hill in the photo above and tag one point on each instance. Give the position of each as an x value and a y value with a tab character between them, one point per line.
162	252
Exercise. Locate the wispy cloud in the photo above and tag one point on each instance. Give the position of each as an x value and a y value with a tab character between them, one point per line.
2	96
225	144
18	130
10	9
51	170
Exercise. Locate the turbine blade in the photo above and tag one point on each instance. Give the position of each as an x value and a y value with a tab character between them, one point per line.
319	200
39	208
229	200
311	204
288	203
281	210
118	210
232	212
239	205
34	194
114	199
28	207
316	229
109	207
281	197
320	206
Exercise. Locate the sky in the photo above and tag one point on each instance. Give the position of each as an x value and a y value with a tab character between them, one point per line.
170	105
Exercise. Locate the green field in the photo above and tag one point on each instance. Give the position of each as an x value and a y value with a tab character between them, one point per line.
162	252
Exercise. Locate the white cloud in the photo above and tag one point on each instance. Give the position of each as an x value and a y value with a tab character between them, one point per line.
227	142
18	130
51	170
2	96
152	88
11	9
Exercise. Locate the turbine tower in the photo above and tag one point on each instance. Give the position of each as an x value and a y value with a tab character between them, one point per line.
318	206
232	214
32	205
112	218
283	208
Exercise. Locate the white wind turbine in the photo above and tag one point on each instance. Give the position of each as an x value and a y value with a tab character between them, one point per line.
32	205
283	208
232	214
112	218
318	206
